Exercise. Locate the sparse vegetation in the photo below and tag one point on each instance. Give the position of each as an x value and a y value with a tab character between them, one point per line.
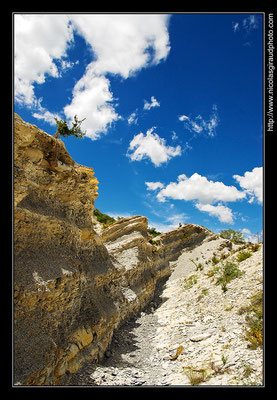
254	247
153	232
198	266
215	260
254	319
247	370
228	272
212	272
243	255
103	218
235	236
224	359
190	281
195	376
154	242
63	129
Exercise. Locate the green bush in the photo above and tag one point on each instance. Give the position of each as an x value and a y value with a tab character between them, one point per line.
63	129
153	232
254	319
254	247
154	242
190	281
103	218
235	236
215	260
243	255
228	273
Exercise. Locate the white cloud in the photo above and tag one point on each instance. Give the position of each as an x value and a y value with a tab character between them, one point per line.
154	185
153	147
66	65
196	127
235	26
121	44
92	100
183	117
171	223
174	135
199	188
200	125
224	214
250	23
154	103
133	118
250	237
176	219
40	39
252	183
46	116
115	214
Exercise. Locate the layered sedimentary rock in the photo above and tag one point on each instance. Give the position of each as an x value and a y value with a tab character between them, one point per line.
172	243
127	242
60	308
73	287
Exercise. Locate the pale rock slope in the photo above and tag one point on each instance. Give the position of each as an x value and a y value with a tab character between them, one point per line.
74	284
193	332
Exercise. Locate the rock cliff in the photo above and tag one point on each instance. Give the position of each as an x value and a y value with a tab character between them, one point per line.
72	286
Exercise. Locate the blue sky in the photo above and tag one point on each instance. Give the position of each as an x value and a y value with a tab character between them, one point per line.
173	107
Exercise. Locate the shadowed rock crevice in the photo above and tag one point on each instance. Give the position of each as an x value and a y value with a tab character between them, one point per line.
77	286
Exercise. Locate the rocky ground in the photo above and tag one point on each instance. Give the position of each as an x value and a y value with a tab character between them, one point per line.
193	332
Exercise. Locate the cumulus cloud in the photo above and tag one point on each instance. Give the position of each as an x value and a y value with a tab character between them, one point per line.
206	193
199	125
153	103
250	237
252	183
124	44
151	146
199	188
92	99
120	44
154	185
40	40
224	214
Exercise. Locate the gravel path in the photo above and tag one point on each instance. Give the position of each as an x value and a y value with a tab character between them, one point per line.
176	331
130	359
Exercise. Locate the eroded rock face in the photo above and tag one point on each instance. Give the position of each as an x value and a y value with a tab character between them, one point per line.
60	308
73	287
127	242
174	242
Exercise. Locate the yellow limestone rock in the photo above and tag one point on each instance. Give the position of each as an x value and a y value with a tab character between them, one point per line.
73	287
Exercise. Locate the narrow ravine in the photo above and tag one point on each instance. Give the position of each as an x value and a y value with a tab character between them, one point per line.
191	332
131	358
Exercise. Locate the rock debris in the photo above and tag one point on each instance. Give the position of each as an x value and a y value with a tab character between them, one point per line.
199	322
